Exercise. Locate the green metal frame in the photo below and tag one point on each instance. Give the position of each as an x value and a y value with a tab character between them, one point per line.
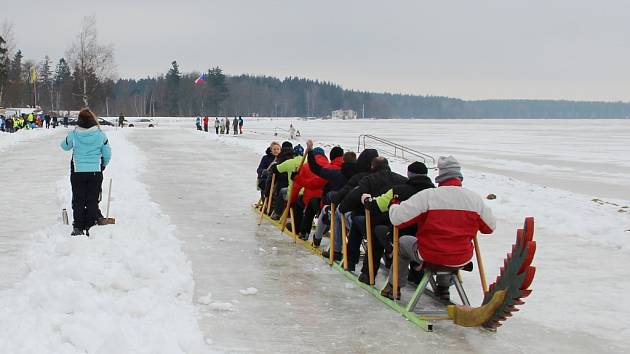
406	312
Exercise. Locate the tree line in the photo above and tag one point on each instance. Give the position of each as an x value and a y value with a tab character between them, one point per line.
85	77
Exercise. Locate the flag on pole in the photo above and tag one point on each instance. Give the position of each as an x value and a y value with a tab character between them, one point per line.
201	79
33	74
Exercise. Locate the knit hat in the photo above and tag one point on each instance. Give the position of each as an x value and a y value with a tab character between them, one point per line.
416	169
335	152
448	167
318	151
287	144
298	150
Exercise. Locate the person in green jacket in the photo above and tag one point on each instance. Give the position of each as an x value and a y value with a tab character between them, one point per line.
289	167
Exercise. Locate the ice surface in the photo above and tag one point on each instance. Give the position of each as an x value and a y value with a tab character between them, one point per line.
249	291
132	289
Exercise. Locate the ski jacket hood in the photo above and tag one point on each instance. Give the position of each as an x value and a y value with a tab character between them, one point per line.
364	161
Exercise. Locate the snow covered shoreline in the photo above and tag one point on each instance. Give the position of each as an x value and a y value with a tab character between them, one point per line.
128	288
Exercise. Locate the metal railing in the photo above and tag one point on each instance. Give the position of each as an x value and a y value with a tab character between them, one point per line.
391	148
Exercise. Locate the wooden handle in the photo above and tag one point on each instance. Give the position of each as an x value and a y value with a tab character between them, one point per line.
370	254
482	272
395	263
344	241
331	256
109	197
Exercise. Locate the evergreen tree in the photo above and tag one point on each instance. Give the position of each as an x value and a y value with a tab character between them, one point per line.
173	78
63	85
15	83
45	85
216	91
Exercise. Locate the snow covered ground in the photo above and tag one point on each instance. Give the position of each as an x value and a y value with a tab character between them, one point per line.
186	265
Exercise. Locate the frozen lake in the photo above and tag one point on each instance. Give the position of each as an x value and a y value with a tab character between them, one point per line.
193	191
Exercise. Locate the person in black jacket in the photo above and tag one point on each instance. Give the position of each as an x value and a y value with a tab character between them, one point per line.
353	173
363	166
378	182
282	179
262	171
382	241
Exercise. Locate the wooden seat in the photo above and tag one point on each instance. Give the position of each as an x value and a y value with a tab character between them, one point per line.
436	268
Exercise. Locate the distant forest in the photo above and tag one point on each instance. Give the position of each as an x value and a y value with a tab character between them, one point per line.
86	78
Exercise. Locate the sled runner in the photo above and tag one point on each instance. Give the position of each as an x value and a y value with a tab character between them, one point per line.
499	302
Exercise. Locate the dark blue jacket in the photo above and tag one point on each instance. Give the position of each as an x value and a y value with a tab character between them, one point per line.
265	162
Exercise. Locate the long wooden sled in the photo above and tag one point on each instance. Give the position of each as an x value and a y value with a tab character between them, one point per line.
498	304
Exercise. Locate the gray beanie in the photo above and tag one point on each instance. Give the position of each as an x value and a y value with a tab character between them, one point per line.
448	168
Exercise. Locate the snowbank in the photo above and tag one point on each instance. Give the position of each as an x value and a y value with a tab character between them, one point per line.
9	139
126	289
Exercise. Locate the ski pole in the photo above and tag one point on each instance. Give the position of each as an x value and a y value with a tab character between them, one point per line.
368	228
482	272
109	197
331	256
395	263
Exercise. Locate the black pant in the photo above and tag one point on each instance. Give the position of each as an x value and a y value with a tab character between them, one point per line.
86	187
309	214
205	127
357	232
216	129
379	238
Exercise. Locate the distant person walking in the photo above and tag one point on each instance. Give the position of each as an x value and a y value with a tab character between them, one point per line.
291	132
90	154
235	125
205	124
65	121
198	123
222	126
47	120
227	126
121	120
240	124
217	124
55	122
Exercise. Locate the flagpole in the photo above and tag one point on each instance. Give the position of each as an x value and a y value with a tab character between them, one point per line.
34	80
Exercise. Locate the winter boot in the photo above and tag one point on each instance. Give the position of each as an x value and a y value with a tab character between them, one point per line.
317	241
443	284
338	256
303	236
364	278
443	293
388	292
76	232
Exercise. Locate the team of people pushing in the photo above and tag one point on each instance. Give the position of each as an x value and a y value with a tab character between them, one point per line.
437	224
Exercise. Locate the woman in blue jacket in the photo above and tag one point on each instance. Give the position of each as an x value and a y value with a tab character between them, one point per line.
90	154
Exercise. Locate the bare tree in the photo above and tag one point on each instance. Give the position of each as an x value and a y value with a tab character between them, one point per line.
92	61
6	32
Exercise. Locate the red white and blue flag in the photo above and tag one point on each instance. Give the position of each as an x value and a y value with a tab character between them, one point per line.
201	79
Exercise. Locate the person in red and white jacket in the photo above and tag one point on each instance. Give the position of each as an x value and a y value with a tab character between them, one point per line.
448	218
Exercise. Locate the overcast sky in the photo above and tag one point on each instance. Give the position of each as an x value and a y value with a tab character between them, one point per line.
473	49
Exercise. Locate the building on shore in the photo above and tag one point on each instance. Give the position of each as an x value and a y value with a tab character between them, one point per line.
344	114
